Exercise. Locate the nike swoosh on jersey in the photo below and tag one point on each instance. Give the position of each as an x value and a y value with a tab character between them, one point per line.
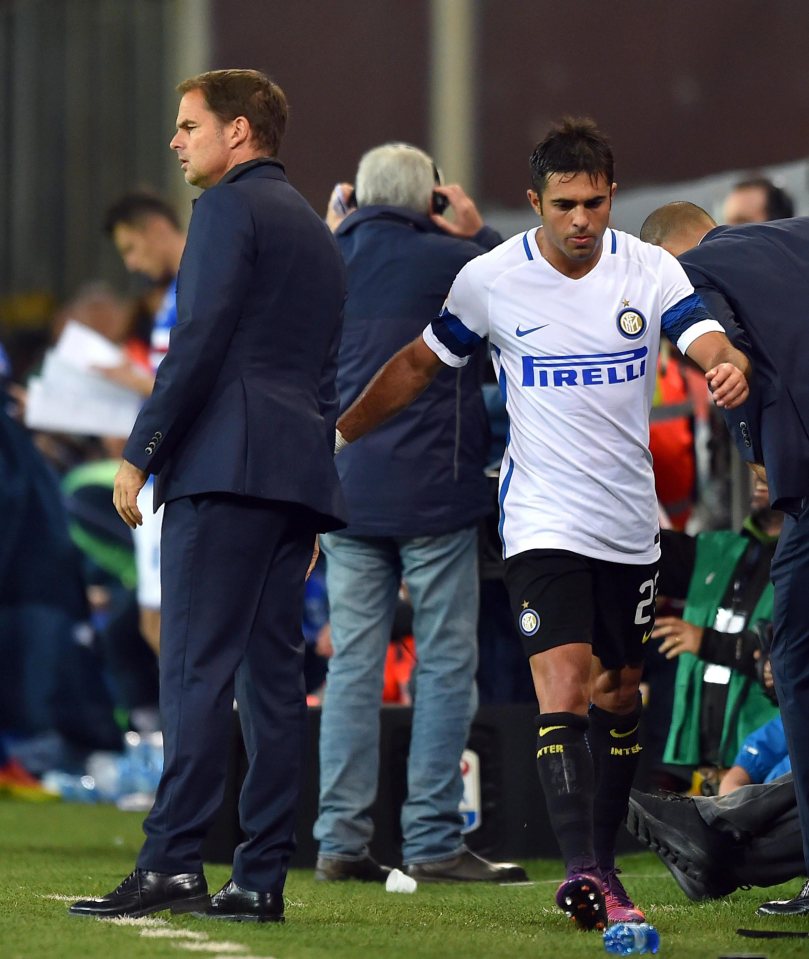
616	735
533	329
548	729
647	637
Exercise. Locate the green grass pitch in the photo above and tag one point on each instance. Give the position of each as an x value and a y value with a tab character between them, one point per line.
53	853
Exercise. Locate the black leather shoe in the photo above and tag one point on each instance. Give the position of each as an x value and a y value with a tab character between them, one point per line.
797	906
144	892
466	867
700	858
241	905
337	870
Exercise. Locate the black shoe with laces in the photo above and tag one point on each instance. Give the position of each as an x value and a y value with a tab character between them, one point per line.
796	906
144	892
241	905
699	857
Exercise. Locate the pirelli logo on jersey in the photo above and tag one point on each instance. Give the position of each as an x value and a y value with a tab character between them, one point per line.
593	369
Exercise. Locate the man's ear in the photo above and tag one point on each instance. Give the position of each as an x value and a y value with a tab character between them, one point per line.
240	131
613	188
535	199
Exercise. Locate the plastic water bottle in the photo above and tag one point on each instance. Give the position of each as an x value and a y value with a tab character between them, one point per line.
105	768
144	754
627	939
71	788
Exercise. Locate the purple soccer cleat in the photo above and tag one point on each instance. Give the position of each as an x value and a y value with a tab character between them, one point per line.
581	898
620	907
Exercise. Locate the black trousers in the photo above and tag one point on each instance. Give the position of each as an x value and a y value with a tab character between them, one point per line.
764	817
790	652
232	577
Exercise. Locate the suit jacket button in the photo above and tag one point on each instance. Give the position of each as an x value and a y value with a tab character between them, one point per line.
158	436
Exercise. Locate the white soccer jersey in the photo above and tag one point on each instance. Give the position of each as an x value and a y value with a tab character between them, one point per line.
576	361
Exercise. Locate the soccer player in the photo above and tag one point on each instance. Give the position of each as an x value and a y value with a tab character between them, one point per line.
574	312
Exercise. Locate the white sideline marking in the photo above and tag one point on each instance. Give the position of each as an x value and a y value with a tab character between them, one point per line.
143	921
59	898
173	934
229	947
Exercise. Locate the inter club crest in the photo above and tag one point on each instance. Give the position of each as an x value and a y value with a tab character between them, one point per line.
631	323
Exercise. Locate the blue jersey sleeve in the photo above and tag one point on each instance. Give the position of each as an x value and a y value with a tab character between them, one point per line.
451	332
683	315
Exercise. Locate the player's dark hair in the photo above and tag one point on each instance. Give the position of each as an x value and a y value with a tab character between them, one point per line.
133	208
778	203
574	145
245	93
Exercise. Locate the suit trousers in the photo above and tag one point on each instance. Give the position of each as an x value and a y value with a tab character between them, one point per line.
763	817
232	572
790	651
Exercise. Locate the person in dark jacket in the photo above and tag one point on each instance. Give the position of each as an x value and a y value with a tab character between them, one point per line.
415	491
754	281
239	431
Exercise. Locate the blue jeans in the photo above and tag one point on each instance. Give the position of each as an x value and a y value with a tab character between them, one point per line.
362	578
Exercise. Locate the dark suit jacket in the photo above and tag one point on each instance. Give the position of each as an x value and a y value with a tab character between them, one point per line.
755	280
245	400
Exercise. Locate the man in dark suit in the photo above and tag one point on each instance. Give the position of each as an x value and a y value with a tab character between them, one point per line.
755	280
240	433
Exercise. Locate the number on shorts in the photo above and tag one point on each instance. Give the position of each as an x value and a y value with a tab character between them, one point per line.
644	613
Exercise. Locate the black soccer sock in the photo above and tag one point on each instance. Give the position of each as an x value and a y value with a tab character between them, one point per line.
615	745
565	770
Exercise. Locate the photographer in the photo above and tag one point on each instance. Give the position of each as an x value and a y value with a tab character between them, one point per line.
415	491
721	692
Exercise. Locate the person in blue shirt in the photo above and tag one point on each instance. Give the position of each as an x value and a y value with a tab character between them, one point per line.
763	757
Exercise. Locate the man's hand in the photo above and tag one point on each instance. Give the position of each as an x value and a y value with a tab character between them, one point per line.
678	636
129	481
339	205
728	385
467	221
759	472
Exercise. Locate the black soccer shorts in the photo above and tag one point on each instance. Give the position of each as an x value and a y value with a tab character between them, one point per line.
559	597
